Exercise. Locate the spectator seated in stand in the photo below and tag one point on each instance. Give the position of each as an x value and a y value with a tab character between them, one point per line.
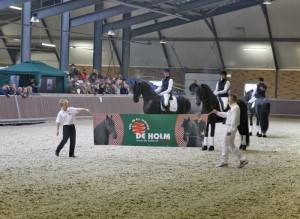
29	91
101	89
13	90
73	72
84	88
5	90
72	89
34	86
123	89
107	88
20	91
83	74
91	88
25	92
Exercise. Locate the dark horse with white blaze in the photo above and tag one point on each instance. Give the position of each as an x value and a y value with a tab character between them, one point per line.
261	111
103	130
152	101
209	102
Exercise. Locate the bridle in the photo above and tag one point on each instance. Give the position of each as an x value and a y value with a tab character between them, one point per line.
207	101
108	127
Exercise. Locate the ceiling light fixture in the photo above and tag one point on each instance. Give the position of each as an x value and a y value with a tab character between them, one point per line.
34	18
163	40
15	7
267	2
48	45
255	49
111	32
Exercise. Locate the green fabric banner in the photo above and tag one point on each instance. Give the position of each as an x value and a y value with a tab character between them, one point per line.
149	130
170	130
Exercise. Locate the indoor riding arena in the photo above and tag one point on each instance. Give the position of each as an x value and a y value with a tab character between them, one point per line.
114	181
109	59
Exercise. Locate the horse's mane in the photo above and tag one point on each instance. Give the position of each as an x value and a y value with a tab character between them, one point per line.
206	89
208	98
148	90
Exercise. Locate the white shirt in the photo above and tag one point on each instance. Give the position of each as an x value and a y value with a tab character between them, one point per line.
169	89
67	117
233	117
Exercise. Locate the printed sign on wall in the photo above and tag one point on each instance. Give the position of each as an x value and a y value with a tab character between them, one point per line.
149	130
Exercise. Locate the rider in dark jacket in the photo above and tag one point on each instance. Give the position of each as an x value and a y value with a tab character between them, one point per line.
165	88
260	90
222	89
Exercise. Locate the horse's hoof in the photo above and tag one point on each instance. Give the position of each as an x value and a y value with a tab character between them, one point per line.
204	148
244	147
250	133
259	135
264	136
241	147
211	148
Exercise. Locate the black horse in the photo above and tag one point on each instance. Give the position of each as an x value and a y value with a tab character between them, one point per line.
261	111
152	102
191	133
209	102
103	130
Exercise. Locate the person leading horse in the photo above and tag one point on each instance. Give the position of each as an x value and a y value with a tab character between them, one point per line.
165	89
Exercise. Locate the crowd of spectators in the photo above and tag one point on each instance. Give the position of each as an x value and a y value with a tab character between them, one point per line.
9	90
80	83
95	83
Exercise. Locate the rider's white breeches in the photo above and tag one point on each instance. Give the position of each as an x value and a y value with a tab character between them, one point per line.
225	102
166	99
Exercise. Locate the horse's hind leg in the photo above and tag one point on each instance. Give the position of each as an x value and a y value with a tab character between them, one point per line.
243	145
250	124
205	142
212	137
258	133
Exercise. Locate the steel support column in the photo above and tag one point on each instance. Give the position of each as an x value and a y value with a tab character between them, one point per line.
126	48
64	41
97	54
26	32
265	11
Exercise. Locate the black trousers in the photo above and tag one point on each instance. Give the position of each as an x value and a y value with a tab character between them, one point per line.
69	131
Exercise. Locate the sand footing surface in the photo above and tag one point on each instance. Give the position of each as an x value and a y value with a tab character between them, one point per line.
147	182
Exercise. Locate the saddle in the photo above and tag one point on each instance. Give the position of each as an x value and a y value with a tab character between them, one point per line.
162	100
221	103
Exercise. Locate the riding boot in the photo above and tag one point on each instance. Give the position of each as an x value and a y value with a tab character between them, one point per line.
167	108
224	120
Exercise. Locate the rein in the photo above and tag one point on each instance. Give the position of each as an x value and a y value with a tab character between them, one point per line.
209	100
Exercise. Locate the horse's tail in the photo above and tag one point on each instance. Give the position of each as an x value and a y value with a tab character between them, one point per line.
264	116
247	137
243	127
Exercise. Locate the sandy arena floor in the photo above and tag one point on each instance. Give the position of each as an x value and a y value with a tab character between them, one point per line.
147	182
